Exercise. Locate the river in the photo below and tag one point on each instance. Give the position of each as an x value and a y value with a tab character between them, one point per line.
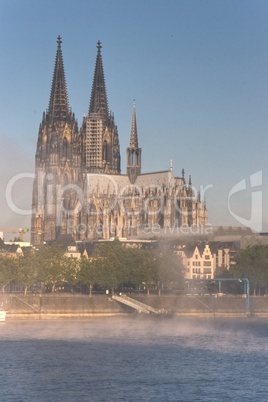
134	359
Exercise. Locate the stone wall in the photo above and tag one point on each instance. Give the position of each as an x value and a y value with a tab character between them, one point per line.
101	305
65	305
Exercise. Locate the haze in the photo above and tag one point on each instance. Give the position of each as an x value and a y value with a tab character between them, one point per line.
196	69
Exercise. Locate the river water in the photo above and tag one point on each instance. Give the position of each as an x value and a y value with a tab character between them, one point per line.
134	359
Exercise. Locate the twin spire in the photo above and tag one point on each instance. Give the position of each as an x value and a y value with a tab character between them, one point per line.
58	104
98	100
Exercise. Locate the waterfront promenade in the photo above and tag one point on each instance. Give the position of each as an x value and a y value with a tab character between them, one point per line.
77	305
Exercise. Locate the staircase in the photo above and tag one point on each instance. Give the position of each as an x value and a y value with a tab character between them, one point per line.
140	307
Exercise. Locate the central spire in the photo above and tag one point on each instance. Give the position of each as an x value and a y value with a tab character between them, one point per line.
134	133
58	103
98	101
133	152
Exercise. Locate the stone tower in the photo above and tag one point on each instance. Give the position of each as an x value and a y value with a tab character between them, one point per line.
133	152
57	162
101	150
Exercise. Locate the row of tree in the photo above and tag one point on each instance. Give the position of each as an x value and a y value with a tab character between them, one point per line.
111	266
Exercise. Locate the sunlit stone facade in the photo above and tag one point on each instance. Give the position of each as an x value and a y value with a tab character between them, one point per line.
79	188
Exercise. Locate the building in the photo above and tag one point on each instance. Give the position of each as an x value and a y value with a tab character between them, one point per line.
10	249
224	253
79	188
199	262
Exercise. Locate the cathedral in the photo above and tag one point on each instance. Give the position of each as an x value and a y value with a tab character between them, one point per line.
79	188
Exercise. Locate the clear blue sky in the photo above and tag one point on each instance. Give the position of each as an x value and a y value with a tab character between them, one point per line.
197	69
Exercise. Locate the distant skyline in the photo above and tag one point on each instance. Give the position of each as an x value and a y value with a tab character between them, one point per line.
196	69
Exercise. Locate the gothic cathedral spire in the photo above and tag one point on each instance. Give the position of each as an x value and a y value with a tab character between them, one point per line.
133	152
101	151
134	132
57	162
98	100
58	103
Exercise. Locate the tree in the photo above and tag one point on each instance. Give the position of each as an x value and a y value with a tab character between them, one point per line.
252	263
71	268
27	273
109	264
8	269
170	271
87	273
142	268
52	266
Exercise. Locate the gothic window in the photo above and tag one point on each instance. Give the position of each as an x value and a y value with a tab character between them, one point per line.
133	158
104	150
66	179
136	158
161	218
92	210
65	145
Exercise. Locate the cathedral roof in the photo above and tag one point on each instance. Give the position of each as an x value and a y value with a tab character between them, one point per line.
98	100
58	103
114	184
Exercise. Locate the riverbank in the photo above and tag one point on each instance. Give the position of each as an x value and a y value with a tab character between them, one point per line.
50	306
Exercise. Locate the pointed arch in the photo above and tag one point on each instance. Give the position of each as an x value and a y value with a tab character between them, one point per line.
65	147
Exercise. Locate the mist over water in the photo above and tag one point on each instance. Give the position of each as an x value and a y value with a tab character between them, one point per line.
126	359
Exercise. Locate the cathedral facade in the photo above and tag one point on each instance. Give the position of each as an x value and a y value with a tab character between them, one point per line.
79	188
